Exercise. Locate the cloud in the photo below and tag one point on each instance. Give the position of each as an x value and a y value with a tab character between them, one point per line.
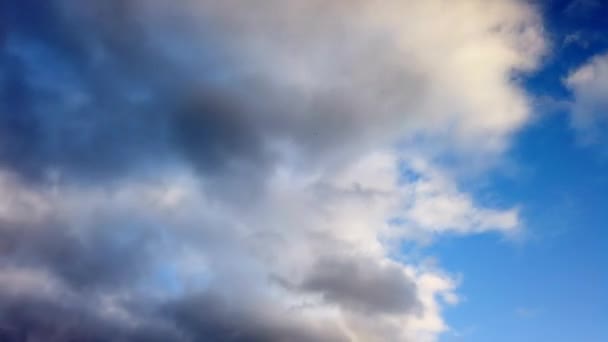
580	7
433	203
578	39
362	285
150	254
589	109
235	171
312	90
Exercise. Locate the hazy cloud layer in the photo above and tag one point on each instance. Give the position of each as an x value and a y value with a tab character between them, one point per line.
243	170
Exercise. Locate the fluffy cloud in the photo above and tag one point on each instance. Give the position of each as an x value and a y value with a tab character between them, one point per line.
164	253
234	171
589	84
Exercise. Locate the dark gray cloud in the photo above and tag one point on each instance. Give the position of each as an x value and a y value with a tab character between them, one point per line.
363	285
221	322
56	319
205	317
109	254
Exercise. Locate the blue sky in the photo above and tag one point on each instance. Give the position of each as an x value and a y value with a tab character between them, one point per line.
550	285
320	170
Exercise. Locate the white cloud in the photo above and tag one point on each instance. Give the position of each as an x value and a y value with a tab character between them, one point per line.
435	204
18	204
325	88
327	75
235	248
589	112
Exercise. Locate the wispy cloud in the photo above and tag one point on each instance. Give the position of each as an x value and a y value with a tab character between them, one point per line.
589	112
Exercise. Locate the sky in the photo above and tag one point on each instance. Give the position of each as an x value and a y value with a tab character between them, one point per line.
302	171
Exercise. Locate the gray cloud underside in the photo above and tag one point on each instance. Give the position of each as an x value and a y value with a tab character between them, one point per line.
196	318
61	283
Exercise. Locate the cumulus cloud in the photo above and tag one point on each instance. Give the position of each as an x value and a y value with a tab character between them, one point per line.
235	170
589	84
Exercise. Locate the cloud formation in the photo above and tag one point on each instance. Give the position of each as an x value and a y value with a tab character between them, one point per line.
589	84
235	170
